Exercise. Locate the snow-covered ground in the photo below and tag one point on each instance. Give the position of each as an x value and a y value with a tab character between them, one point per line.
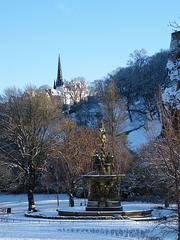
143	135
16	226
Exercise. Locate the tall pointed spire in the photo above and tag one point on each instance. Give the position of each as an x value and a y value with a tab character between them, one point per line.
59	80
54	84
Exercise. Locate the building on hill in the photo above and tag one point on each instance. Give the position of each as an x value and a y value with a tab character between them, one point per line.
71	92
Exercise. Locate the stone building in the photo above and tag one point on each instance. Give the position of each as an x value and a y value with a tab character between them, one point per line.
71	92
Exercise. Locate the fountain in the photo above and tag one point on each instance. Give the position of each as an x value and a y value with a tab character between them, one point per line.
103	188
103	184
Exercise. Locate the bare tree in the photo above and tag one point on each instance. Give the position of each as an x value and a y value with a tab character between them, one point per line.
169	150
174	25
164	155
76	89
26	125
138	58
72	157
6	177
114	118
139	81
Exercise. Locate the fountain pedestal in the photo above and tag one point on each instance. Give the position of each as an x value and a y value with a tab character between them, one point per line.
103	192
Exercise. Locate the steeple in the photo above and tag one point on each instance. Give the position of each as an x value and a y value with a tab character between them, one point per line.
54	84
59	80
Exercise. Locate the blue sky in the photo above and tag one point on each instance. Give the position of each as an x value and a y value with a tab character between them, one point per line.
93	37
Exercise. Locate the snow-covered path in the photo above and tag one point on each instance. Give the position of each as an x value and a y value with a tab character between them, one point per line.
75	230
16	226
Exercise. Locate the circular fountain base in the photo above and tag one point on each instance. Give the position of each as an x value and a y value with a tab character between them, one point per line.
102	214
105	209
107	205
90	214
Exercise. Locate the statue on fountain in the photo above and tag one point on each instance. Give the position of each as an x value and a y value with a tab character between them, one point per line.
102	163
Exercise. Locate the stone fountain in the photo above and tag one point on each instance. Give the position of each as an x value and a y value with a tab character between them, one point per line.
103	183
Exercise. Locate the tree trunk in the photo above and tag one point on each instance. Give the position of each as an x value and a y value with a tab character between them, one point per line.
31	202
167	200
129	113
71	200
178	210
149	108
178	204
30	188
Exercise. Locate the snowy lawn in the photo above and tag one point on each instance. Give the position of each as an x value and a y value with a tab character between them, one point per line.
16	226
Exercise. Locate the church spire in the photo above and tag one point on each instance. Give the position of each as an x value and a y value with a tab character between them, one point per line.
54	84
59	80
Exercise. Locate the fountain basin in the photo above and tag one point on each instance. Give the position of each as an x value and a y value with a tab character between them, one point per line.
103	192
103	214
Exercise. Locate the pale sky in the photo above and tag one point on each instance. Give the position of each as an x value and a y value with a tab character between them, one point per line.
93	37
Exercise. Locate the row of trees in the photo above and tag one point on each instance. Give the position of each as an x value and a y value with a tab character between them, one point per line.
40	146
36	137
138	83
26	127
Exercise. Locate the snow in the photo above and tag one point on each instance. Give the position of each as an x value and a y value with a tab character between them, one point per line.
17	226
173	70
143	135
171	95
